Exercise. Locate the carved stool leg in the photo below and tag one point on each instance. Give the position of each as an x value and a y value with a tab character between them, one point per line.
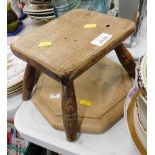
126	59
28	82
69	111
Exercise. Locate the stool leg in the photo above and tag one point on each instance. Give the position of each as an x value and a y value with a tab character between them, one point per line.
126	59
69	111
28	82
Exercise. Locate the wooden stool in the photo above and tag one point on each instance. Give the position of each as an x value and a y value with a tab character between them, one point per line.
72	52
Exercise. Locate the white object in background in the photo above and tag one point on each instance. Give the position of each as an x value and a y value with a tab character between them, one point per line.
127	8
14	6
15	69
141	134
29	8
34	128
13	103
135	112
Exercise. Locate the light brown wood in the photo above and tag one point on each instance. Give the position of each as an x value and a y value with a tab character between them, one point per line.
71	52
69	111
126	59
28	82
105	84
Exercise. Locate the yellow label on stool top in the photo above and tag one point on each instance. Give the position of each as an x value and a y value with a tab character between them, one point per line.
45	44
85	103
89	26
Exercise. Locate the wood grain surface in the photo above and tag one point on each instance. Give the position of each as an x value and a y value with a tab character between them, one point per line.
126	59
71	52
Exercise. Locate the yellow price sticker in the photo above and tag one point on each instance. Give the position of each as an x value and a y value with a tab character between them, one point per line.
45	44
85	103
89	26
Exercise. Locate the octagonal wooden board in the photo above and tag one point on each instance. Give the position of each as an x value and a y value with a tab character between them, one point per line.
105	85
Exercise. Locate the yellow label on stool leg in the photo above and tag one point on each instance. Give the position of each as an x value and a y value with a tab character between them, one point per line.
85	102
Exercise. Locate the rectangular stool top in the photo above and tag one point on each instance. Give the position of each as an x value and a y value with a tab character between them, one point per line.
73	48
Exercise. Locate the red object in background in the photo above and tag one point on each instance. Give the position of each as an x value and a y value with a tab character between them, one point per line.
9	137
21	5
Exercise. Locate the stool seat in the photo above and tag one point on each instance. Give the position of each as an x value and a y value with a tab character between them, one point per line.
71	52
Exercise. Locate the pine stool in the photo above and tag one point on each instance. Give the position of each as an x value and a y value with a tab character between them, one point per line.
75	48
